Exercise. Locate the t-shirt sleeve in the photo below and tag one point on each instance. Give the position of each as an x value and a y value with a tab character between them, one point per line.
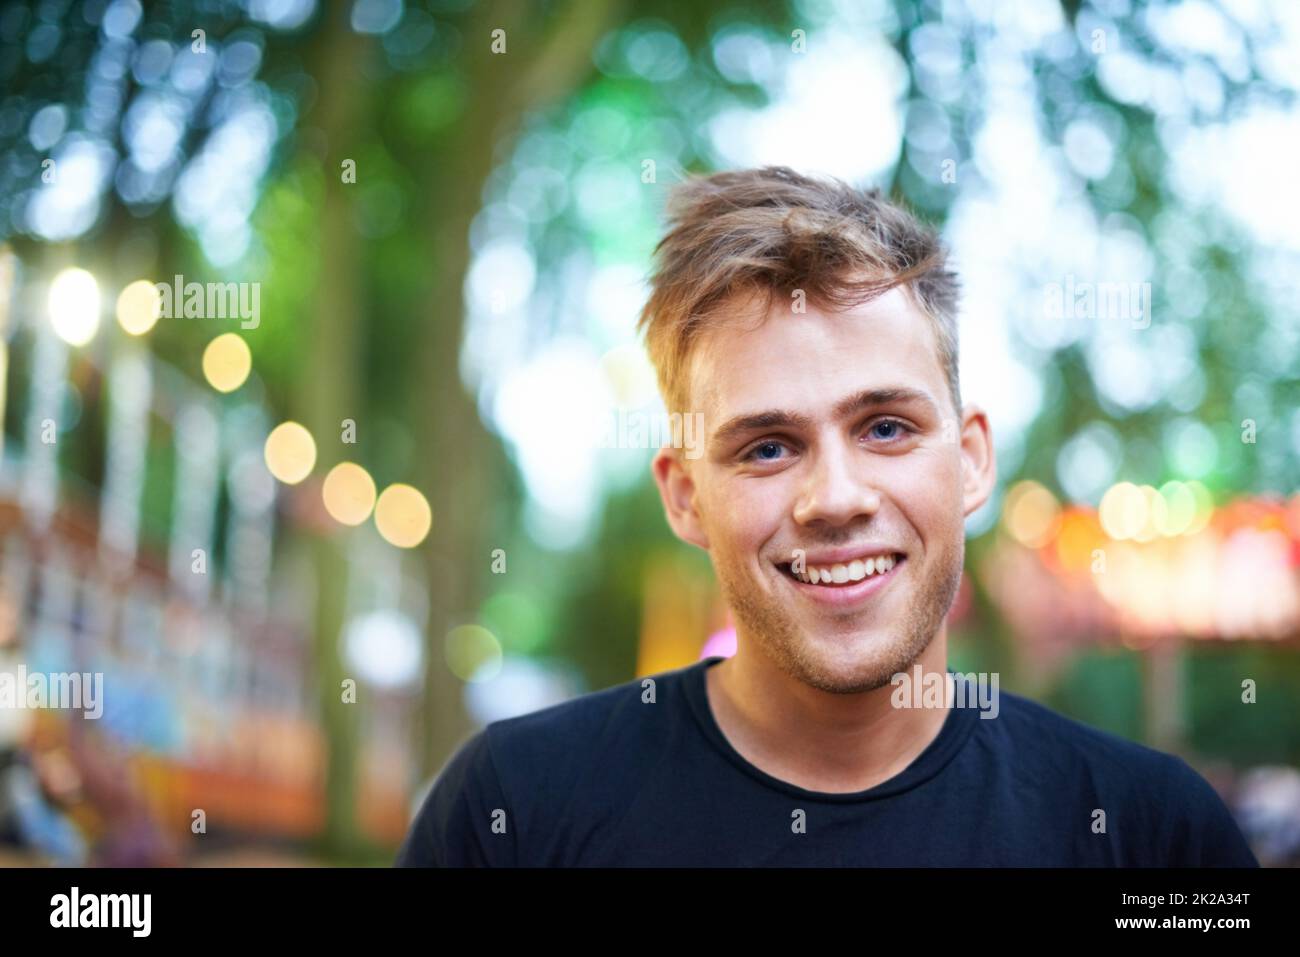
464	820
1205	833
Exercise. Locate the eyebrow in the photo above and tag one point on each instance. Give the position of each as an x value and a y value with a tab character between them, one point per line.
777	418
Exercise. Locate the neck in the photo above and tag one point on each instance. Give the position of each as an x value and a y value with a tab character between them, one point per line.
834	743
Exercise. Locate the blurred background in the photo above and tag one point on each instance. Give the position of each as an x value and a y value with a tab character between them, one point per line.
326	427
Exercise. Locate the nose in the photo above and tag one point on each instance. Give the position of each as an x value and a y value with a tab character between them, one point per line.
837	489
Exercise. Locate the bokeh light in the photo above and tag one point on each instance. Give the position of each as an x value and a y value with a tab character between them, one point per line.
139	307
473	653
1154	515
403	516
1031	514
1123	511
384	648
1180	508
630	376
290	452
1204	506
74	306
227	361
349	493
1079	536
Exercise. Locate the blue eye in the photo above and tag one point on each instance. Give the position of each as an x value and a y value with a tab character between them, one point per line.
756	452
894	427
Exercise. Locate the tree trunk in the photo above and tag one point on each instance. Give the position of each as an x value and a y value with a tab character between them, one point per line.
327	394
542	61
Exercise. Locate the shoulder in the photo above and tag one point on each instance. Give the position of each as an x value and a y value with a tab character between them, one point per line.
561	740
516	772
1063	744
1027	724
459	819
1150	789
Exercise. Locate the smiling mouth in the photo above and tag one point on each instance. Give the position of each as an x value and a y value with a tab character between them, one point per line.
842	575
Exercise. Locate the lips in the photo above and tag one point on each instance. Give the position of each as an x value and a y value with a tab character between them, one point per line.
845	582
855	569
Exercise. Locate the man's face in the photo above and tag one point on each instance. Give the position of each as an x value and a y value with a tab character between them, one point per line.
832	451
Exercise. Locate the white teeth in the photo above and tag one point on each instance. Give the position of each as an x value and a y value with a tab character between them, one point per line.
855	570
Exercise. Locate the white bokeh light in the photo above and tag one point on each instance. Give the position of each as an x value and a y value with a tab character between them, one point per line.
806	127
383	647
74	304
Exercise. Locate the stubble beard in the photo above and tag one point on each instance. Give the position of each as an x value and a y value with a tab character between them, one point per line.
813	659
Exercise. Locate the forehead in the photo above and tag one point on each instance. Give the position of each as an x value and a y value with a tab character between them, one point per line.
807	361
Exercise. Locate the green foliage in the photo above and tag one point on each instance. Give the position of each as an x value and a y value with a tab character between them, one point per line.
1223	726
1103	688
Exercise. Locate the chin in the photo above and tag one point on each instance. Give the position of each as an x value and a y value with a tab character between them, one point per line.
851	663
854	650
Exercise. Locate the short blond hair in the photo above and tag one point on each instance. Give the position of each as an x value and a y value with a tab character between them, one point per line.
771	231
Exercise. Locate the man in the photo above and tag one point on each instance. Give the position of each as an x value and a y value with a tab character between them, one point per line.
813	327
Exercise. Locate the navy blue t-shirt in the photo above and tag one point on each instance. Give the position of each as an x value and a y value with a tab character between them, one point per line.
611	779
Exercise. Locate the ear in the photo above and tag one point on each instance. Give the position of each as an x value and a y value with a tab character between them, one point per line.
677	489
979	466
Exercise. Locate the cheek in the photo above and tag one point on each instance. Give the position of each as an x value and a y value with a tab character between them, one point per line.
746	514
930	497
